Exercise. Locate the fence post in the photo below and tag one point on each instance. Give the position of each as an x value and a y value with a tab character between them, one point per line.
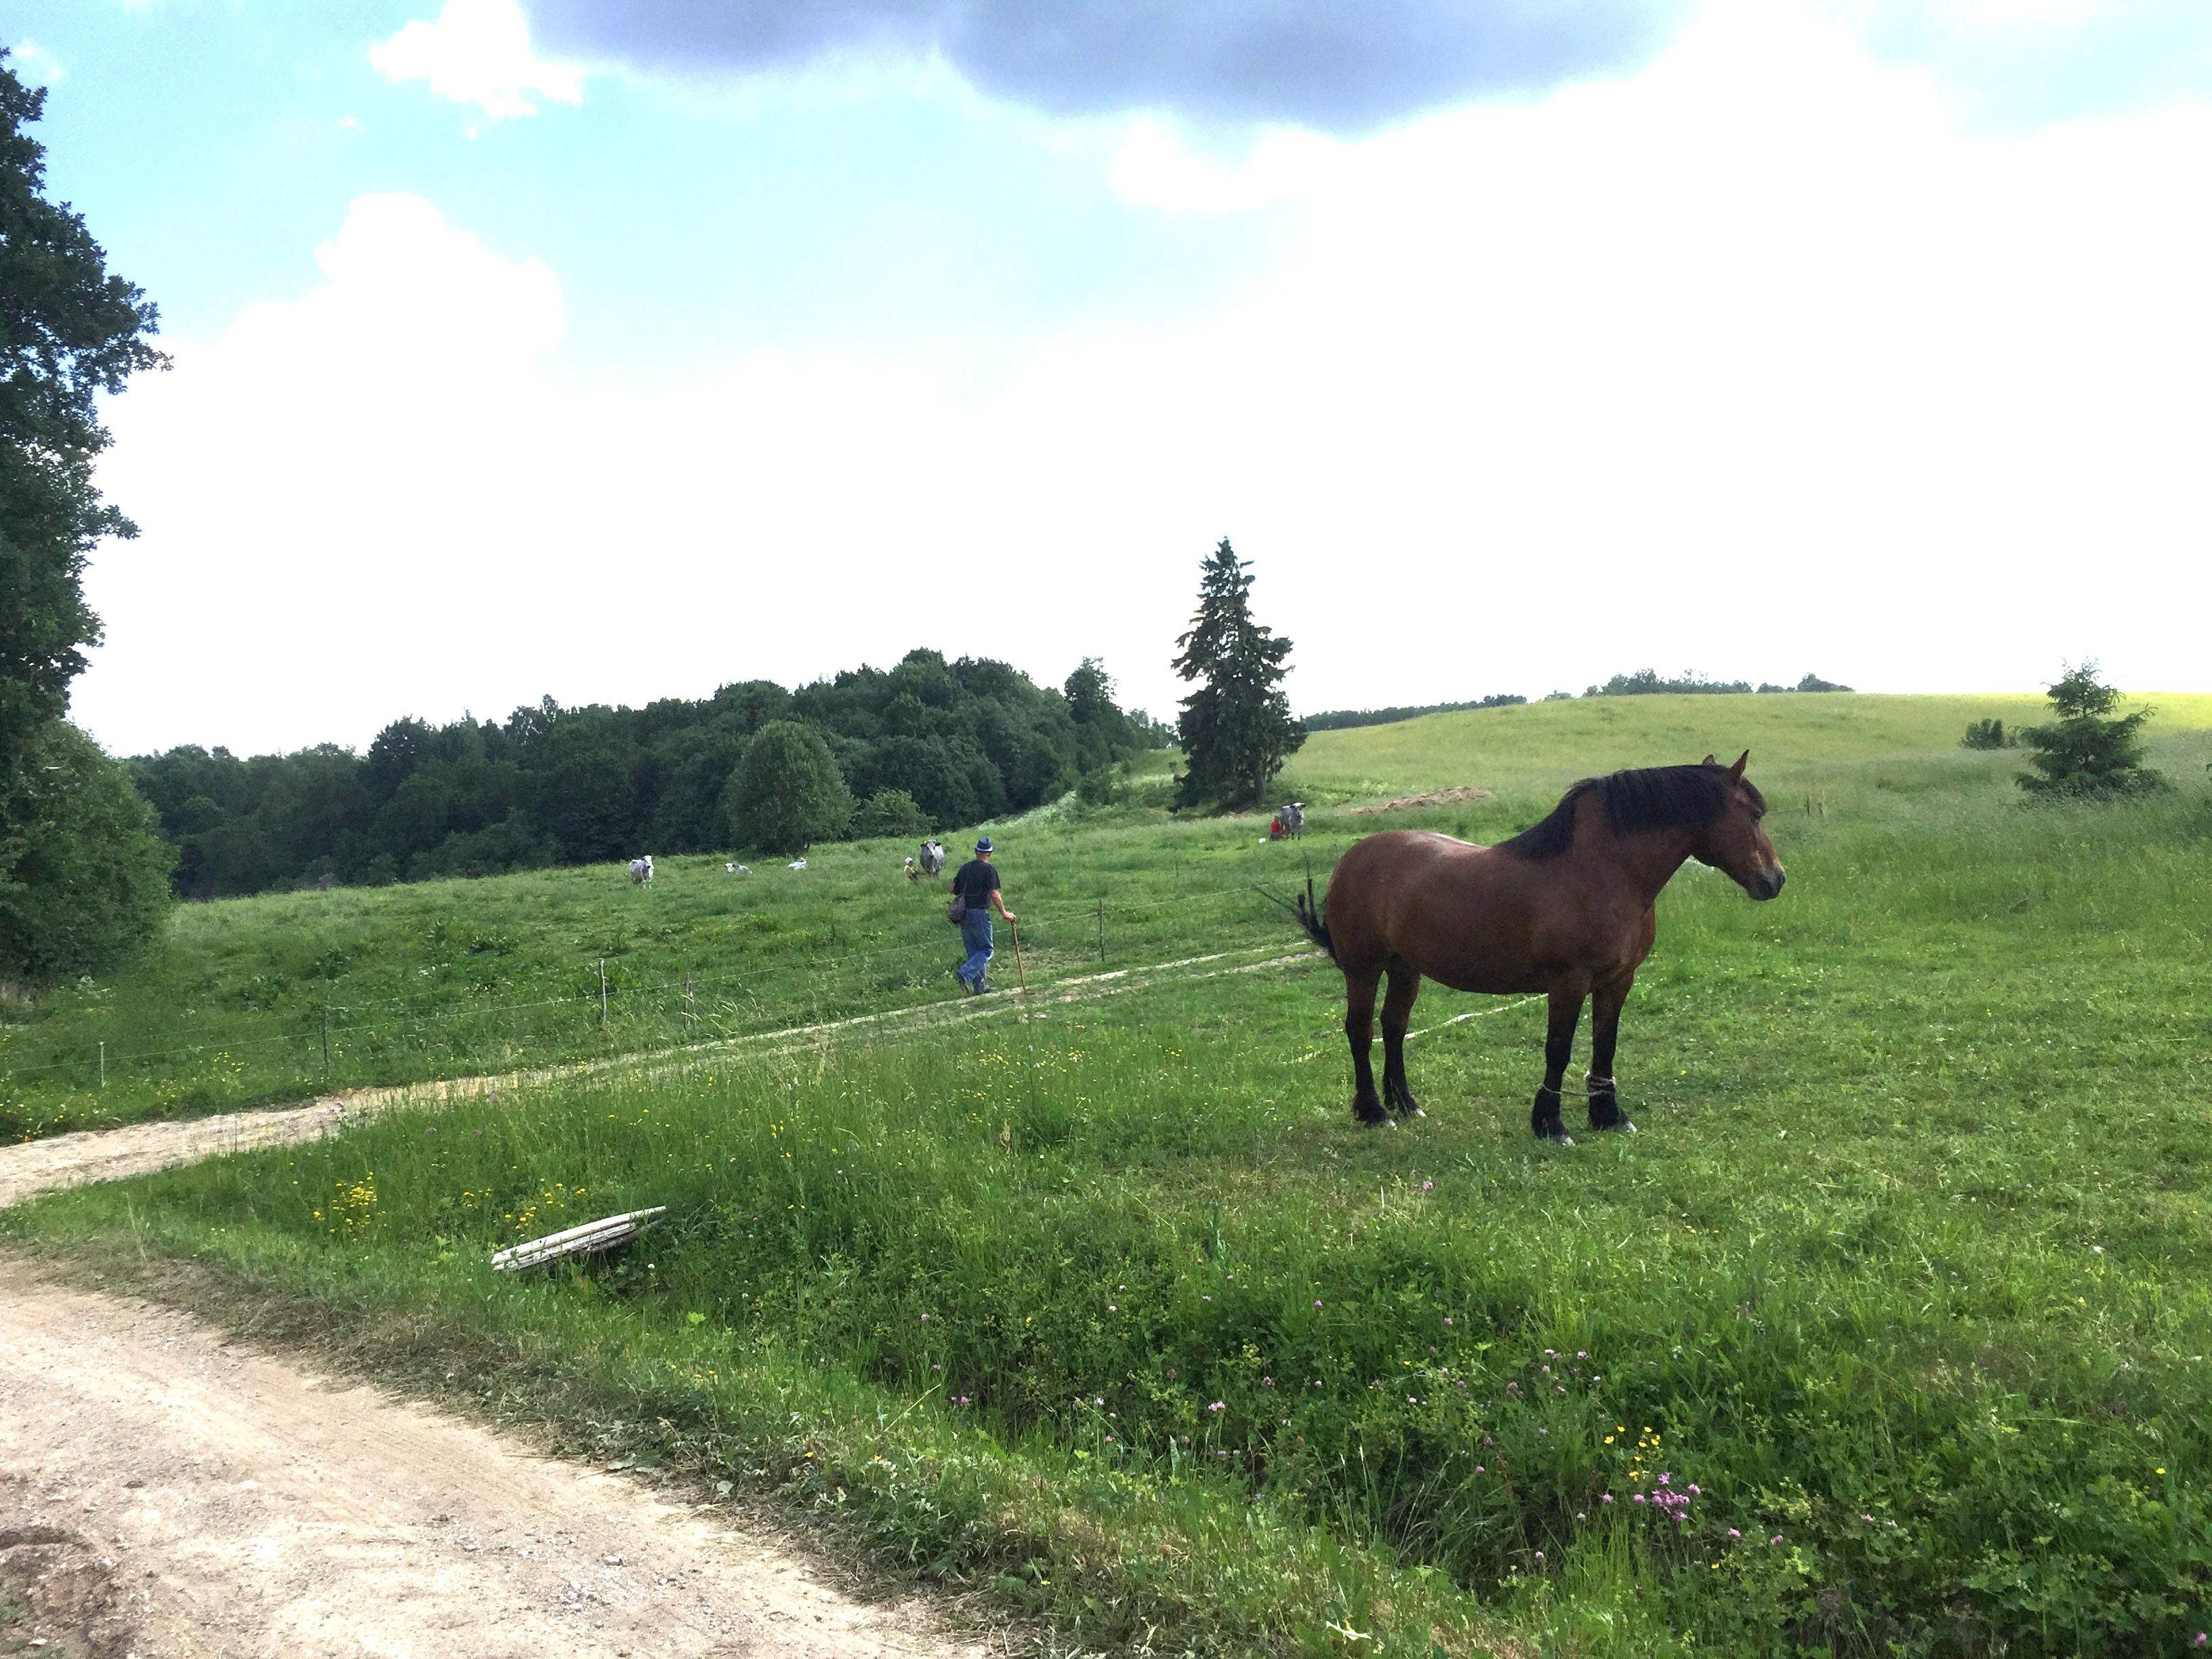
1101	930
326	1039
690	1011
103	1064
603	990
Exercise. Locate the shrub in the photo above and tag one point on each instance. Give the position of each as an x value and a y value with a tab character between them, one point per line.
1987	734
1102	786
890	812
2089	751
84	879
786	793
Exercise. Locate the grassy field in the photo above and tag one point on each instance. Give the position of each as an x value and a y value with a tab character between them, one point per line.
1114	1311
277	998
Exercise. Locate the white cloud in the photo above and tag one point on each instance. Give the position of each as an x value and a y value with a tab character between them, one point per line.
478	53
1755	363
34	65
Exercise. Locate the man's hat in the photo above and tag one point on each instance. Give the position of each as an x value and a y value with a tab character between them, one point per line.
983	845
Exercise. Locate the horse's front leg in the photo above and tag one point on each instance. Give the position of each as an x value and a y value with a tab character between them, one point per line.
1558	1048
1606	1002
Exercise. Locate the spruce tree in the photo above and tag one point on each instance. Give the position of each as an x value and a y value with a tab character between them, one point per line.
2089	751
1236	728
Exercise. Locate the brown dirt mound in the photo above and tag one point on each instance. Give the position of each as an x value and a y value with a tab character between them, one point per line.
57	1594
1457	797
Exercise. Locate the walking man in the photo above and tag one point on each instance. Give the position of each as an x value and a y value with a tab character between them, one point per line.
976	882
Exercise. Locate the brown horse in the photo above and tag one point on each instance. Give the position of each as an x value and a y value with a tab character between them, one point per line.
1564	907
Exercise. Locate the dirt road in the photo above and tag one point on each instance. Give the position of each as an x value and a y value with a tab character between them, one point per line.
163	1493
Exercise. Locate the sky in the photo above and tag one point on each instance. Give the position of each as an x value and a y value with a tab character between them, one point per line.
613	352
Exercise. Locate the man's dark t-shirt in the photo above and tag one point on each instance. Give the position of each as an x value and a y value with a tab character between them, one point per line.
975	881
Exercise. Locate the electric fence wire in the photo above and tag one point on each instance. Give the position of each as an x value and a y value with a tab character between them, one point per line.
341	1027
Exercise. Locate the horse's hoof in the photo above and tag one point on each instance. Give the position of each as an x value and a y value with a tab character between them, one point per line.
1620	1126
1557	1136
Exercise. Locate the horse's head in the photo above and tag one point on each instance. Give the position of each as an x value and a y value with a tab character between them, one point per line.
1733	843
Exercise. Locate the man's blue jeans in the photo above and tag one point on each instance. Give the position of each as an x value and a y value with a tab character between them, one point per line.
975	938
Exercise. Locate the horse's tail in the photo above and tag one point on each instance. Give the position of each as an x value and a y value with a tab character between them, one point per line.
1305	908
1309	918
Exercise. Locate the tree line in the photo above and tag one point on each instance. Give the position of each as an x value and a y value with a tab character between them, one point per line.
1343	720
927	744
1648	682
1645	682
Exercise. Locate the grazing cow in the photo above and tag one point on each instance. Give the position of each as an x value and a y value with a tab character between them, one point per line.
641	870
932	861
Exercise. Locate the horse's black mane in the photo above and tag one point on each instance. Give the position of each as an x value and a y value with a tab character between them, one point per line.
1653	798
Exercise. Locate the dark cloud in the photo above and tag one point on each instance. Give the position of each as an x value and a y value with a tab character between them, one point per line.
1332	64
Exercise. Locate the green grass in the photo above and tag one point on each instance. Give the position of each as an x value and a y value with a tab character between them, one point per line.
1916	1231
234	1006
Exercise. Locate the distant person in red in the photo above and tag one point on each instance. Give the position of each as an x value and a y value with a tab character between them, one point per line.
976	882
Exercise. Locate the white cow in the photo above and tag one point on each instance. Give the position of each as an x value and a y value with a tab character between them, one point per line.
641	870
933	858
796	864
739	869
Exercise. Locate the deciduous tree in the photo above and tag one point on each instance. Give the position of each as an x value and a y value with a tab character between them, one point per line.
786	793
74	837
68	332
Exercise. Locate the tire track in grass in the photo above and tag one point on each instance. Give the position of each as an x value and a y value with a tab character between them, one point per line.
35	1166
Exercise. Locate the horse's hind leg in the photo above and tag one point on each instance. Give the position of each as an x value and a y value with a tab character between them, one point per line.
1397	1014
1359	1032
1558	1048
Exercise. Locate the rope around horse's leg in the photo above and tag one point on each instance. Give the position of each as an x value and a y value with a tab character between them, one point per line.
1586	1094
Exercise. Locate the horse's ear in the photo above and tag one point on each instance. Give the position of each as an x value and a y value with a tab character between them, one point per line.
1709	761
1736	772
